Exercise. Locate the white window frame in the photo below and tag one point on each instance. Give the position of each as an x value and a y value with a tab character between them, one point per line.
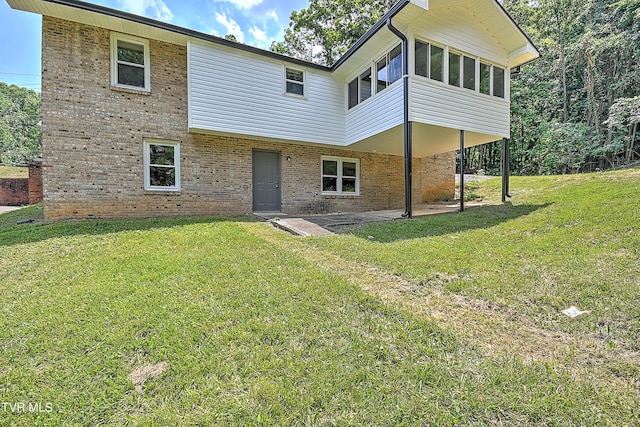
339	177
374	71
147	164
445	56
303	83
358	81
115	38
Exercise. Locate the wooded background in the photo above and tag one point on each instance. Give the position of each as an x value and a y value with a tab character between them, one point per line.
575	109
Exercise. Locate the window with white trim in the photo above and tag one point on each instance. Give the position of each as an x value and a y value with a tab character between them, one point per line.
360	88
340	175
294	81
130	62
485	78
498	82
429	60
389	68
161	165
466	71
454	69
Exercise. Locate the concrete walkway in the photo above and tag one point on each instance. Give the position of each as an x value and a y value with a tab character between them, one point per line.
4	209
319	225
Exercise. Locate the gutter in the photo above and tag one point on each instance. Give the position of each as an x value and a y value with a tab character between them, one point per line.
408	131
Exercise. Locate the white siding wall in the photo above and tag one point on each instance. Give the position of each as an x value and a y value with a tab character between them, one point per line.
461	30
233	91
381	112
439	104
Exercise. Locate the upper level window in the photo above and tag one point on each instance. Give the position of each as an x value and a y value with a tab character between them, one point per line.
389	68
340	175
468	73
491	80
454	69
294	81
360	88
463	70
130	62
498	82
485	78
429	60
161	165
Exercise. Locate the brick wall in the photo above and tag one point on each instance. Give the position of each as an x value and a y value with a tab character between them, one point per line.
437	177
22	191
14	191
35	182
93	138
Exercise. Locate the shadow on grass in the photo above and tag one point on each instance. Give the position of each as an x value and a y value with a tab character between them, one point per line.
12	234
438	225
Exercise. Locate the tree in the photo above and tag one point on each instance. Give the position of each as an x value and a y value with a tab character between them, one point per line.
326	29
20	132
624	115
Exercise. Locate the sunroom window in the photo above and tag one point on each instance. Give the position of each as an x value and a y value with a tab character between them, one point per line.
469	73
130	62
498	82
360	88
454	69
389	68
429	60
340	176
485	78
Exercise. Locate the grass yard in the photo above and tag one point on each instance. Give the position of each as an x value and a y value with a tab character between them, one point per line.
14	172
447	320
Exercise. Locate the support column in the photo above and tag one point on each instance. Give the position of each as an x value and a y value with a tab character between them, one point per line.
505	169
461	170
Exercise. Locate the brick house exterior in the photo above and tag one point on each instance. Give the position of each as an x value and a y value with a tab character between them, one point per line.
93	134
143	118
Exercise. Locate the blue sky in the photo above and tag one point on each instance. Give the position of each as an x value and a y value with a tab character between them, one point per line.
254	22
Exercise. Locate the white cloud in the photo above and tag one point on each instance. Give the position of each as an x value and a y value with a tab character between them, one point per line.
242	4
258	34
156	9
231	26
273	15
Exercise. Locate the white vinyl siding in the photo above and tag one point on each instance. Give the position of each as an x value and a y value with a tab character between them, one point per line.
380	113
232	91
460	30
442	105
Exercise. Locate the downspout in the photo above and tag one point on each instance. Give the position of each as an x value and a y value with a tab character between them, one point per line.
408	134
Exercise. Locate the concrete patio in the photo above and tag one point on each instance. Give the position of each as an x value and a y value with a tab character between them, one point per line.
323	224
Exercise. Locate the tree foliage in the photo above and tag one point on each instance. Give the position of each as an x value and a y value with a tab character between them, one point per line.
328	28
20	133
574	109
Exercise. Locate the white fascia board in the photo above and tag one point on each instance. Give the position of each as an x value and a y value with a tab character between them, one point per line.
421	3
524	54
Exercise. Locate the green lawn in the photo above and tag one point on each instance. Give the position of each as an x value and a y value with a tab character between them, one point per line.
448	320
13	172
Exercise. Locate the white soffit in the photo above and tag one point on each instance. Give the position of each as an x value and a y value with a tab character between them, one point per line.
88	17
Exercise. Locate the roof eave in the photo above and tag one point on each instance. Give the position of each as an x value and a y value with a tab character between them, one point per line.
103	10
369	34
